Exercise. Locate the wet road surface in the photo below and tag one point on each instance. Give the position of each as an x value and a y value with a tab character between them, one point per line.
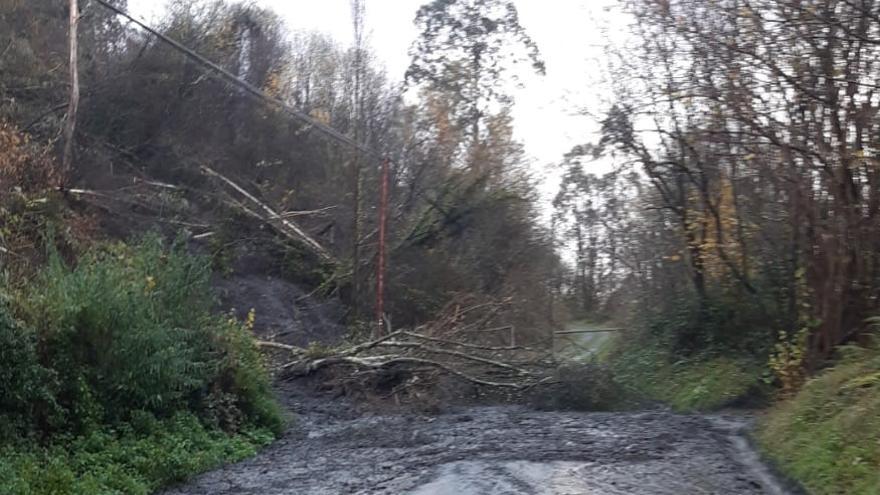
496	450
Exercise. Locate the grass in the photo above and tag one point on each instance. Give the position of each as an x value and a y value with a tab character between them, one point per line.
828	436
699	383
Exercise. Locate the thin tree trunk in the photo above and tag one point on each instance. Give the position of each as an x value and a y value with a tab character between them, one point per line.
73	105
357	12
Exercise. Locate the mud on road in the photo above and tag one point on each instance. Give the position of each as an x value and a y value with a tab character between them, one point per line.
333	449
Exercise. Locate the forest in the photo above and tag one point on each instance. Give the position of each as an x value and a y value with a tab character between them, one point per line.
211	221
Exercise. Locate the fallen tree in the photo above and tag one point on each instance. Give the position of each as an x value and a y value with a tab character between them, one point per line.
281	222
460	344
405	349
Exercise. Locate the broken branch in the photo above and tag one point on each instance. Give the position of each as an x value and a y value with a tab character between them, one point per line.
462	355
379	362
466	345
288	228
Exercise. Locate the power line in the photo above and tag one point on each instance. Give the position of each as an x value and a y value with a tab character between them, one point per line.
246	86
326	129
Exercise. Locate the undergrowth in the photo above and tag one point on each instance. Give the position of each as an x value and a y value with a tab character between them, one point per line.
828	435
118	378
695	356
132	458
650	370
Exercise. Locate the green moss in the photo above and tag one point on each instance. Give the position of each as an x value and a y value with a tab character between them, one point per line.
828	436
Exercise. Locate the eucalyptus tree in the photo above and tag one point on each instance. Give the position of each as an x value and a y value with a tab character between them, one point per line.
466	49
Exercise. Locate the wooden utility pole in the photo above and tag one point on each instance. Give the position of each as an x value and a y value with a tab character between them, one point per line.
73	103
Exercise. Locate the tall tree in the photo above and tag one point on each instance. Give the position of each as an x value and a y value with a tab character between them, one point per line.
358	14
73	98
761	156
465	49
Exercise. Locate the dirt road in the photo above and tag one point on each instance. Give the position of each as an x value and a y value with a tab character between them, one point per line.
495	450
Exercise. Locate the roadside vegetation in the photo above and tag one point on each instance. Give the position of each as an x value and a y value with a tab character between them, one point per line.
828	435
132	458
698	383
118	378
692	359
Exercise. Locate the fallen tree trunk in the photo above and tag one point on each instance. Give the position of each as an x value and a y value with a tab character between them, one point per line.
435	350
417	354
278	221
465	344
380	362
277	345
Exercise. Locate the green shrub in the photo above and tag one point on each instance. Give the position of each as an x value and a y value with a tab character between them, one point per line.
828	435
119	369
127	326
723	323
131	328
125	461
695	356
710	383
25	384
242	377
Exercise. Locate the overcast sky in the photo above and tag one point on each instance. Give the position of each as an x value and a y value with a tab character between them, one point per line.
571	34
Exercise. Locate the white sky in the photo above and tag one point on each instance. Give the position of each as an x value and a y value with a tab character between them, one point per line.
571	34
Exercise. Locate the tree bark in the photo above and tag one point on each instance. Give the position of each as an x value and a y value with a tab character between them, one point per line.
73	103
357	13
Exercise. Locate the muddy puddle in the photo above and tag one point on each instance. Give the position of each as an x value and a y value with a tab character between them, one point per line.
496	450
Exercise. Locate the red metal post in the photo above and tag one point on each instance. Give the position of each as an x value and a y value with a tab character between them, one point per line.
380	265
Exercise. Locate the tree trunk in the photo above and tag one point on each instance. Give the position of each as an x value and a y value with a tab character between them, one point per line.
357	14
73	102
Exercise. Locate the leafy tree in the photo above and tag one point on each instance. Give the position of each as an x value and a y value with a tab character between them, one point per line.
752	130
466	49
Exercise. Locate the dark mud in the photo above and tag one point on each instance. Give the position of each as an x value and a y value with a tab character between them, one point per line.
335	449
284	311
